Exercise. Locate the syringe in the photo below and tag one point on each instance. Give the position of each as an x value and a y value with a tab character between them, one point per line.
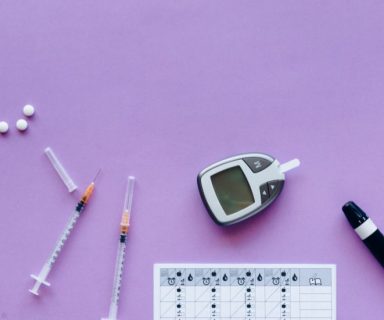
41	278
119	266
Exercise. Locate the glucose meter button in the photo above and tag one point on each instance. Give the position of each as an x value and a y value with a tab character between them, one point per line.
274	187
264	192
257	164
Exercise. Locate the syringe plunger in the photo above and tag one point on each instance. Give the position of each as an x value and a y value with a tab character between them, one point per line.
40	279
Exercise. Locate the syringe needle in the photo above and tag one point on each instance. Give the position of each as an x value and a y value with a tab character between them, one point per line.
41	278
88	192
96	176
119	265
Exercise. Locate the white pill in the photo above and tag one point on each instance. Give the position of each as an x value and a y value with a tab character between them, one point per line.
28	110
21	125
3	127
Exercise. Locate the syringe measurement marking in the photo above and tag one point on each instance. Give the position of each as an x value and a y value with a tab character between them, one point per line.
119	272
41	278
64	238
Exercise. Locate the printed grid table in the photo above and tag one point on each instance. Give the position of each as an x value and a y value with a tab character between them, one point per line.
224	292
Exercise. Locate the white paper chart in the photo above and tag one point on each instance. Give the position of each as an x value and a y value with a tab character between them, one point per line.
244	292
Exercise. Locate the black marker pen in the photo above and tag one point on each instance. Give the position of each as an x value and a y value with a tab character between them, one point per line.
366	229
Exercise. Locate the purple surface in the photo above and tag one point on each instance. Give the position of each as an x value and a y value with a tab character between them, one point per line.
160	89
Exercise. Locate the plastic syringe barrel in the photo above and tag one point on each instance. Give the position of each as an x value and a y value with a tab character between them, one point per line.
119	264
40	279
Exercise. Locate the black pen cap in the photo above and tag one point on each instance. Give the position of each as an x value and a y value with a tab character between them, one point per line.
354	214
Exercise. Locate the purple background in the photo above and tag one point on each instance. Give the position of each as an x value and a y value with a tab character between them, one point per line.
161	89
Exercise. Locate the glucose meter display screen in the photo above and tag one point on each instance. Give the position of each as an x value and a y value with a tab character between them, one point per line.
232	190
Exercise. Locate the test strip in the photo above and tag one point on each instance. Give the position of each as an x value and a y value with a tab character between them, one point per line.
289	165
63	174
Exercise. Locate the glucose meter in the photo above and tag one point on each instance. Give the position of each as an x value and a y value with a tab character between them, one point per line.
239	187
